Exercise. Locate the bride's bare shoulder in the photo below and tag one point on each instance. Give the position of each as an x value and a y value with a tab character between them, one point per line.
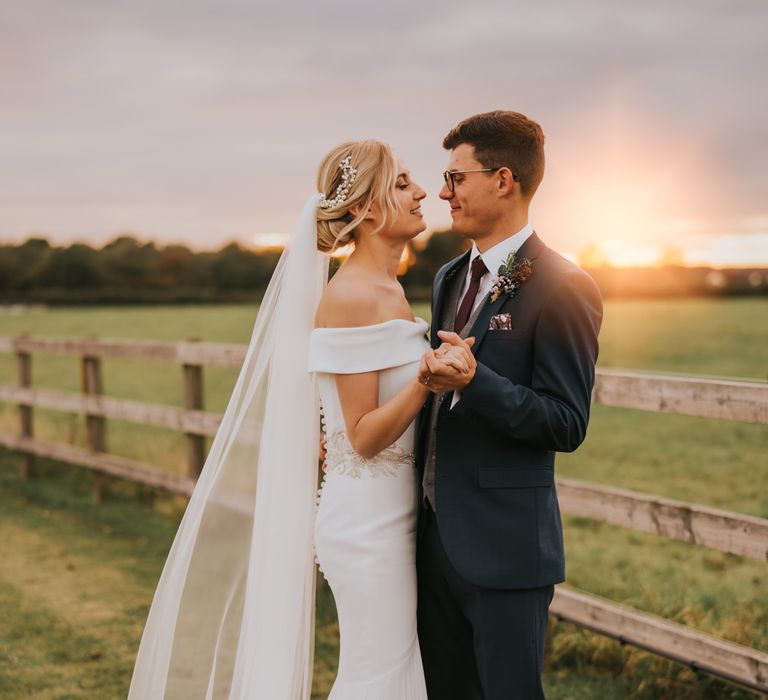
347	301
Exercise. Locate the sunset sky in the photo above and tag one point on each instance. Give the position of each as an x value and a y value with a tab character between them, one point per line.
202	122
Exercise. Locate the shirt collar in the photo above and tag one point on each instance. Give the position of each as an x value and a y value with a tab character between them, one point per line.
494	257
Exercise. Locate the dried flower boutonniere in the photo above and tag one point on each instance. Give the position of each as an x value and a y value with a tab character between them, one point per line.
512	273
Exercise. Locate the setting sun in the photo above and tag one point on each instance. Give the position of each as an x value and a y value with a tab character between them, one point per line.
636	190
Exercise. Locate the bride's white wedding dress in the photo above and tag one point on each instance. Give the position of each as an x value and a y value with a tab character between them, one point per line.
365	524
232	617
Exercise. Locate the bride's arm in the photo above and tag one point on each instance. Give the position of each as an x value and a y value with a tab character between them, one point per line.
370	427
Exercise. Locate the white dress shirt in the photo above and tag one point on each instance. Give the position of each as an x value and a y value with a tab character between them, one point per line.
493	258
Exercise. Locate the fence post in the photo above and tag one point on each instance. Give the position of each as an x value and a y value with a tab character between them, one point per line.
193	400
24	360
90	373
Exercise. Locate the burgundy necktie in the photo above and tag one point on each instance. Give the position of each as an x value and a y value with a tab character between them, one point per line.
465	309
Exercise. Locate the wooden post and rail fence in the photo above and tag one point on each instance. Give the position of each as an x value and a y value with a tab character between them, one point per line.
735	533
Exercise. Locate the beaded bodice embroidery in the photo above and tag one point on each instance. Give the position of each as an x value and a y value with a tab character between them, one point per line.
342	458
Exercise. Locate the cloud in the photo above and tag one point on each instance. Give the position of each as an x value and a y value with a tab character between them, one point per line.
203	121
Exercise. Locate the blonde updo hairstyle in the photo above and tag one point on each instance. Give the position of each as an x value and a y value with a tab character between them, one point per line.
374	185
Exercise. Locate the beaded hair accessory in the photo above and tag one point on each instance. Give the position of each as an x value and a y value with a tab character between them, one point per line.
348	175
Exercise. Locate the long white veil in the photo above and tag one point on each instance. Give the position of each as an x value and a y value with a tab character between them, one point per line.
233	613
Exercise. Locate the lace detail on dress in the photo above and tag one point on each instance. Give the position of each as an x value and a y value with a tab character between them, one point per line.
343	459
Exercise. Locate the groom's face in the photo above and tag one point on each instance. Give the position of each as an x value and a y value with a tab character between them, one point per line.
473	201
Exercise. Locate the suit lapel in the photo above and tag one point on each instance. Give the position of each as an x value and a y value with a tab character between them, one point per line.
442	285
531	249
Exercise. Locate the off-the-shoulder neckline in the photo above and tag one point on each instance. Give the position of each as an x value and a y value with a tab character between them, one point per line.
419	320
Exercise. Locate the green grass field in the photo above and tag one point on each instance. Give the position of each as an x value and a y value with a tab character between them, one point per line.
77	578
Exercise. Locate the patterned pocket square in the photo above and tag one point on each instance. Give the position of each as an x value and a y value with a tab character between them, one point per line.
501	322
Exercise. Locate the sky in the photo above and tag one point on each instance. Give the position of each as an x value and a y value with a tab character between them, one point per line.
203	122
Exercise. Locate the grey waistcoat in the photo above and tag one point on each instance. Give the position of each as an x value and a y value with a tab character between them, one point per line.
446	321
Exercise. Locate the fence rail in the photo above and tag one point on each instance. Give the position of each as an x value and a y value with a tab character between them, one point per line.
197	422
691	396
101	462
695	396
181	352
701	651
734	533
699	525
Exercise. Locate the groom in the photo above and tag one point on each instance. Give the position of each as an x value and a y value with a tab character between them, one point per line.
490	545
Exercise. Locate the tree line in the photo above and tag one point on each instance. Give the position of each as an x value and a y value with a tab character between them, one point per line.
129	271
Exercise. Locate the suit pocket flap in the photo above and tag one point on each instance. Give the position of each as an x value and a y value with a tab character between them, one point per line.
509	478
507	333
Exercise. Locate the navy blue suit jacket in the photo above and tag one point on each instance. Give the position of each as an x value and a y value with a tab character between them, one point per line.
496	501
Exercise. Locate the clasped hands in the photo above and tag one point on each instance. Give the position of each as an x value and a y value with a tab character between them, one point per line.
451	367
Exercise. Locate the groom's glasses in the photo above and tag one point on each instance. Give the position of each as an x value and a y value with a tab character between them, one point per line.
448	175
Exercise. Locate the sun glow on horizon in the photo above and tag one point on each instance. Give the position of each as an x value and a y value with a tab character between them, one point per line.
622	211
718	251
276	241
639	190
269	241
616	253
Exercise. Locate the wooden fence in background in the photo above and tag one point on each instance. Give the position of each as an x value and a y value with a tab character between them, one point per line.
726	531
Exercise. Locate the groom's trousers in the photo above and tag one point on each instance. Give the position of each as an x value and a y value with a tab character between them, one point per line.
476	643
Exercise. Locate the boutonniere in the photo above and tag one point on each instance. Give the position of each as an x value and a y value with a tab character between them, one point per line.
512	273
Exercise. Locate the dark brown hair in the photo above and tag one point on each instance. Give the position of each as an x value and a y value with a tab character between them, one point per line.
504	138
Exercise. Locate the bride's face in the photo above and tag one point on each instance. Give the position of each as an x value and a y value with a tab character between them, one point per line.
410	221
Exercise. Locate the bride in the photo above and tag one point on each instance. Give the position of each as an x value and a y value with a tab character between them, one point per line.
233	613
